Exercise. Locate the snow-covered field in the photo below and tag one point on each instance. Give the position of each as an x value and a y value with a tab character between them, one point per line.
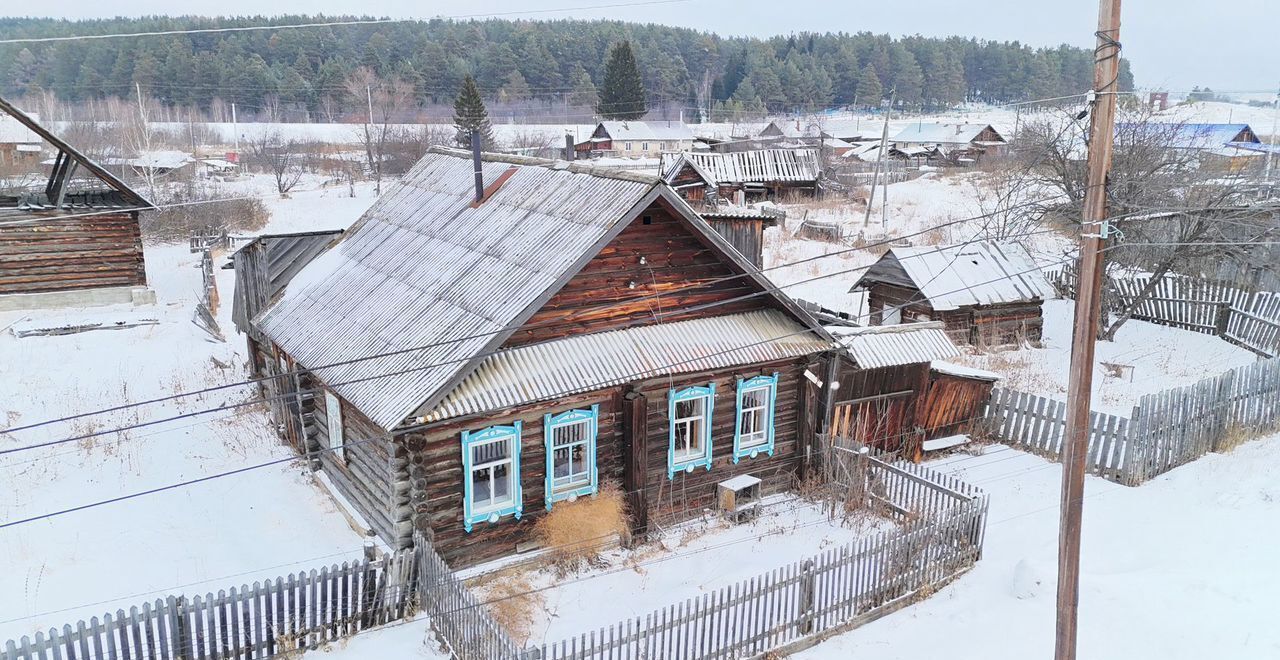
189	540
686	562
1161	357
1182	568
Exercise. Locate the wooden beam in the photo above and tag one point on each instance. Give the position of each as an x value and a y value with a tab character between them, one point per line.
635	448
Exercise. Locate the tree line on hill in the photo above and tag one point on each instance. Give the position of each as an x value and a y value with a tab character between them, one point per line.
552	64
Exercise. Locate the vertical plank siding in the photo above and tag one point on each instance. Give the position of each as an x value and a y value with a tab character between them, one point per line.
264	620
1166	429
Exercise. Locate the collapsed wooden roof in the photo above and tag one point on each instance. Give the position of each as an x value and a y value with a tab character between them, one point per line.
759	166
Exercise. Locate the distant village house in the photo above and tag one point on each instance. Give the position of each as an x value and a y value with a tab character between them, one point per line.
636	139
763	175
957	144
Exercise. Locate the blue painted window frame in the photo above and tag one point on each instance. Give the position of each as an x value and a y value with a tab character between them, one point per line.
769	383
689	393
516	507
549	424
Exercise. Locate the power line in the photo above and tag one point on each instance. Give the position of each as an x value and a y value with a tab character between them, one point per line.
414	369
653	296
379	21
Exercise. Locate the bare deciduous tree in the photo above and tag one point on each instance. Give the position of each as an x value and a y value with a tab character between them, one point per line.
1172	206
385	101
280	157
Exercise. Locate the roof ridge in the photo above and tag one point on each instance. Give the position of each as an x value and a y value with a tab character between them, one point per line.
577	167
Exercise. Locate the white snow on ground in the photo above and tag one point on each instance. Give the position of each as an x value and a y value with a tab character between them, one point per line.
1217	112
686	562
210	536
409	640
1181	568
1161	357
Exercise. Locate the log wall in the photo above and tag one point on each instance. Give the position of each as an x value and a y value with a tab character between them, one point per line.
64	254
435	457
600	297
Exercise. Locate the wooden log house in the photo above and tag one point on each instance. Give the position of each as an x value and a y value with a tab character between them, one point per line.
540	332
986	293
76	240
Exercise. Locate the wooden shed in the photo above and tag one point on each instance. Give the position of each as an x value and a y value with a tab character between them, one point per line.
539	334
744	228
986	292
73	241
884	377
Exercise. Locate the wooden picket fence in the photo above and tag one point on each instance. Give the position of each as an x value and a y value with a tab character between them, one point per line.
801	603
1166	429
1037	424
456	615
1249	319
300	611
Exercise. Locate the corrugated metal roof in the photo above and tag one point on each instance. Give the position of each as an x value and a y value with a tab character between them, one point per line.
759	166
595	361
978	273
892	345
265	265
647	130
422	266
927	133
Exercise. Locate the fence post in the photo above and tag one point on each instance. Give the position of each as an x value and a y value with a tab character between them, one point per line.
181	635
808	596
1222	318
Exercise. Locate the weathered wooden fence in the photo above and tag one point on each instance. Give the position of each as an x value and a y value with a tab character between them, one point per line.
301	611
1165	430
463	622
799	604
1249	319
1037	424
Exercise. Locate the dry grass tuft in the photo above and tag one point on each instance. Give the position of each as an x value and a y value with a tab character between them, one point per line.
512	601
576	532
1233	437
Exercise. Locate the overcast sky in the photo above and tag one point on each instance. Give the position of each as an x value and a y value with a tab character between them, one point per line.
1174	44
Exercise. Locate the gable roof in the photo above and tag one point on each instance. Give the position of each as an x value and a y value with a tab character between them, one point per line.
425	266
937	133
646	130
759	166
955	276
127	197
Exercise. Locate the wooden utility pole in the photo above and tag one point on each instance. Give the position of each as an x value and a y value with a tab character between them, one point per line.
884	146
1106	76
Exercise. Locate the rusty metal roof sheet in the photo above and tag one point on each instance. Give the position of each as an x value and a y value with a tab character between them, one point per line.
595	361
892	345
424	266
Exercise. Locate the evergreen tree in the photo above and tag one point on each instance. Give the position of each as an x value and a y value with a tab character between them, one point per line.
869	90
470	116
584	91
622	95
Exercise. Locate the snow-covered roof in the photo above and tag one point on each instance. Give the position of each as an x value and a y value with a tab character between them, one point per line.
760	166
1186	135
878	346
593	361
953	369
647	130
428	267
955	276
934	133
163	160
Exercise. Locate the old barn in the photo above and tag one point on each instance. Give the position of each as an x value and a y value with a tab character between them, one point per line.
73	241
744	228
765	174
986	292
542	332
